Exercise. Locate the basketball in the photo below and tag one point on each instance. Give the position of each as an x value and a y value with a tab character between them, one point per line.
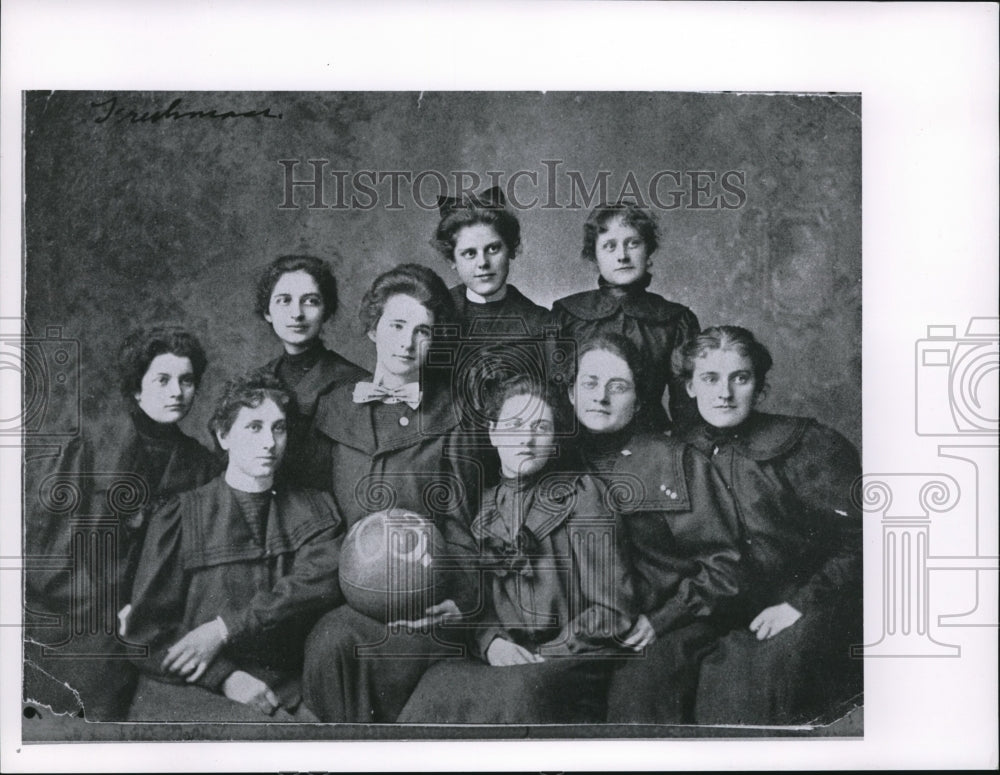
387	565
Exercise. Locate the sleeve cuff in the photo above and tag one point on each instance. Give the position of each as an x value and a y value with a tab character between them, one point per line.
217	673
669	617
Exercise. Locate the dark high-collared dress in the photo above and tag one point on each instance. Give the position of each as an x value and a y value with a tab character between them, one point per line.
86	576
800	532
308	376
514	316
380	456
556	586
656	326
268	572
677	524
513	335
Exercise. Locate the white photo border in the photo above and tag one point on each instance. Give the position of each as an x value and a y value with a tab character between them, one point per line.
928	76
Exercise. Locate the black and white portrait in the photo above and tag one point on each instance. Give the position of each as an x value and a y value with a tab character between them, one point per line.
364	411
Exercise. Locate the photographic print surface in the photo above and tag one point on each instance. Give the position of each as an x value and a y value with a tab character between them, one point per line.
529	106
150	209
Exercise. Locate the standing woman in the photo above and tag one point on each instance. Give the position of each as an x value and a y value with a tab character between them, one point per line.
296	295
233	575
501	330
480	238
786	658
621	239
678	528
391	441
160	369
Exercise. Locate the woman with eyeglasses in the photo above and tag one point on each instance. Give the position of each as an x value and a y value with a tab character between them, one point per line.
677	527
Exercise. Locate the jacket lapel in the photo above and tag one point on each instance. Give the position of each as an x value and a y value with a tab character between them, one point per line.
436	416
345	422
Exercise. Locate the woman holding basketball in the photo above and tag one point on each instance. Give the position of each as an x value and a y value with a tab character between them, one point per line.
392	441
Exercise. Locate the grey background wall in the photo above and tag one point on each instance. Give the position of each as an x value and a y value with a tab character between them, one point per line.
136	222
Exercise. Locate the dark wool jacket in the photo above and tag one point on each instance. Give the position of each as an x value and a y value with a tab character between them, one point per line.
116	476
201	561
656	326
515	316
799	529
558	585
331	369
677	525
378	456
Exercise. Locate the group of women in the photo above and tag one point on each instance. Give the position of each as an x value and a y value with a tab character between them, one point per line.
629	539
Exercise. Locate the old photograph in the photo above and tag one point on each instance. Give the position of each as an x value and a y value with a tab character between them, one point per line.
412	409
539	386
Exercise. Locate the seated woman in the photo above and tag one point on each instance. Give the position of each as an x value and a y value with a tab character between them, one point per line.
146	454
678	526
557	595
232	576
296	295
786	658
393	441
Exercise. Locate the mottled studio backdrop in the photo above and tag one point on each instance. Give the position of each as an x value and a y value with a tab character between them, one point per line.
145	207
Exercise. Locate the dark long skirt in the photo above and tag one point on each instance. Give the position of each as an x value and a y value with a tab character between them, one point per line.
159	701
791	678
569	690
358	670
660	687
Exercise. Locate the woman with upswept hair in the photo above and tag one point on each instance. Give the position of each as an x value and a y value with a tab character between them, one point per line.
786	657
146	454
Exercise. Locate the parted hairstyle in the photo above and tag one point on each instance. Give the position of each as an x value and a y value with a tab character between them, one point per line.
631	215
142	345
413	280
619	345
525	385
316	268
501	219
249	390
724	338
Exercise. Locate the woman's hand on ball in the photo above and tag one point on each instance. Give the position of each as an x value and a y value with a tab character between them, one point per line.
436	614
504	653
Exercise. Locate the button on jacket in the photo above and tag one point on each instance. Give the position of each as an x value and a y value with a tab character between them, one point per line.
370	460
678	528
